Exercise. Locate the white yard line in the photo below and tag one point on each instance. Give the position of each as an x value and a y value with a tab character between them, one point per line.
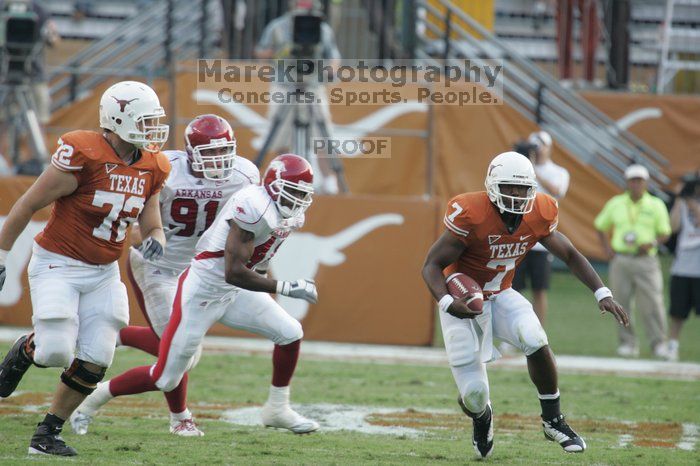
414	355
690	437
624	440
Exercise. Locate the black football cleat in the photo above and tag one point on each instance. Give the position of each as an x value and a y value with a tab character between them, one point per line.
14	366
557	430
47	441
482	433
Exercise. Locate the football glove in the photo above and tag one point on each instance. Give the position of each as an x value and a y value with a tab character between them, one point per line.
151	249
300	289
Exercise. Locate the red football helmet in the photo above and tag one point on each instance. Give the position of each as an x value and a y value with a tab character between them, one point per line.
211	147
289	182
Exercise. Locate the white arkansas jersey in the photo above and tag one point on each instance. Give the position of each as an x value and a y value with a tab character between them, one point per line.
253	210
191	204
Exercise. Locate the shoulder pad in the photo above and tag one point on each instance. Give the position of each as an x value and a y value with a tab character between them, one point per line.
547	206
89	143
250	206
248	169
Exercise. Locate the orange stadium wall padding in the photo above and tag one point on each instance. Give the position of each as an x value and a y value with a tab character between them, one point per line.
364	252
668	123
465	138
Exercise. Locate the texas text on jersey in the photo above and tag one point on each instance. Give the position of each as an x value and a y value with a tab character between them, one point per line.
253	210
492	253
110	196
189	205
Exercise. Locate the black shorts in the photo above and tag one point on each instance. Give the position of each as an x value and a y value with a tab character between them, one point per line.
685	295
538	266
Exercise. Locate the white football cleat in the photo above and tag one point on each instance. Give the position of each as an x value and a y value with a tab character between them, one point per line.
284	417
80	422
557	430
185	428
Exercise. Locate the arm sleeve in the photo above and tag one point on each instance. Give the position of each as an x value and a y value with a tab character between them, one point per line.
549	210
68	157
247	215
603	222
457	218
663	220
163	174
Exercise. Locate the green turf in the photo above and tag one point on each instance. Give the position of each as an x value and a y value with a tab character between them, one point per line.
134	429
574	324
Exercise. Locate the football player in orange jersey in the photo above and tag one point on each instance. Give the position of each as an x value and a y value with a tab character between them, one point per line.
488	234
99	183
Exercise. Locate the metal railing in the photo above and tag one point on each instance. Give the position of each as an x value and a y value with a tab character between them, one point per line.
578	126
145	45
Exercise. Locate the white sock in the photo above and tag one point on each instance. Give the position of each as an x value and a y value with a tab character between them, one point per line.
673	344
97	399
279	395
548	396
176	417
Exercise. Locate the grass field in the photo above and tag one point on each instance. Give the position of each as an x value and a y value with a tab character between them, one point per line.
647	413
407	414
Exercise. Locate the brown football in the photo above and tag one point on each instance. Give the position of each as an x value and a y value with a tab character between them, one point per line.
463	287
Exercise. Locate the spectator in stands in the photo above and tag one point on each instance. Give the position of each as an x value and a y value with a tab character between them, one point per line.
637	222
277	42
685	271
537	265
588	33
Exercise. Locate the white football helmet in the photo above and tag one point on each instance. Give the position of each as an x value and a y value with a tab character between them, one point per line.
511	168
132	110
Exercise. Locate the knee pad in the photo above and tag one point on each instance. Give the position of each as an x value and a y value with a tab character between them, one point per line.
81	379
476	396
531	336
168	384
291	332
52	348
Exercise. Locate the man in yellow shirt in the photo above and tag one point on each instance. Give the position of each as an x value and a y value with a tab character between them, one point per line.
630	227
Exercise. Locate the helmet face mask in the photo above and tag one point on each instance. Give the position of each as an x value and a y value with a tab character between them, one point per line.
289	182
211	147
515	204
292	198
215	161
149	135
511	183
132	111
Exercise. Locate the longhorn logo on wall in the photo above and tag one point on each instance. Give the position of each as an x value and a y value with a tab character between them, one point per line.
353	131
303	253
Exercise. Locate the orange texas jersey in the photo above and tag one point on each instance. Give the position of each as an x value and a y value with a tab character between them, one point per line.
492	253
90	224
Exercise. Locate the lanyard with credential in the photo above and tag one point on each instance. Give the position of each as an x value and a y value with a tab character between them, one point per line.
633	211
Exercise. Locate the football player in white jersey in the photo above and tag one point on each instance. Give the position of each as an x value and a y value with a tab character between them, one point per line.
202	179
225	283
